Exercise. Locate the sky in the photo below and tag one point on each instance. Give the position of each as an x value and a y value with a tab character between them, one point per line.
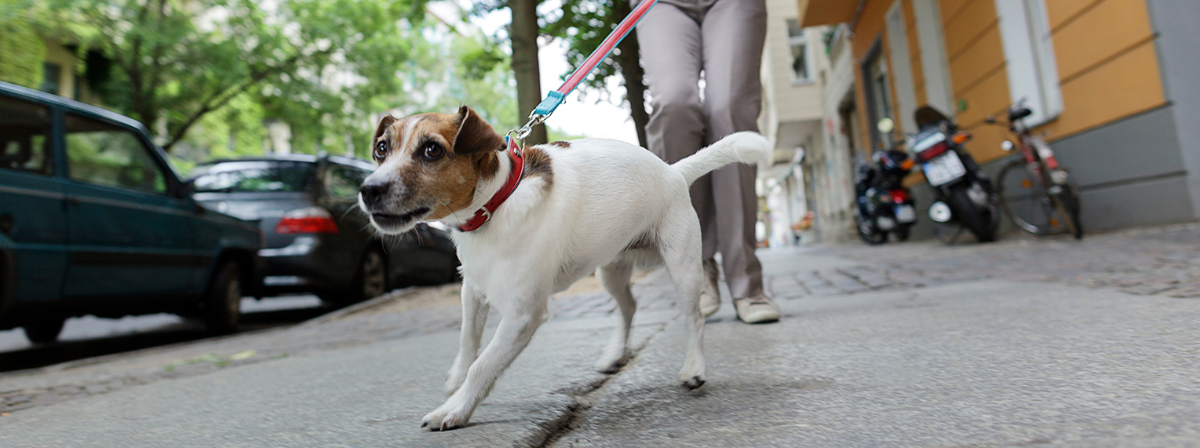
581	114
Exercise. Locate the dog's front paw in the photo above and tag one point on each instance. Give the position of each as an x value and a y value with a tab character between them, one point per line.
446	417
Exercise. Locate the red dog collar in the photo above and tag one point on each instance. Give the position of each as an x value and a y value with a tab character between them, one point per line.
514	178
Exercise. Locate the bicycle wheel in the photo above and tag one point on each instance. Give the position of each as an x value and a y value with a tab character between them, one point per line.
1068	200
1024	198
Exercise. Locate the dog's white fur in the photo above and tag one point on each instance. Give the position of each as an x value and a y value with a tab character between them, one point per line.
605	196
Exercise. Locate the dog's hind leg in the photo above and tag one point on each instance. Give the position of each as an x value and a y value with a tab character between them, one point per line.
681	252
615	278
518	322
475	312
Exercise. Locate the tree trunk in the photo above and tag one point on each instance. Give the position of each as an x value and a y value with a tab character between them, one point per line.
631	70
524	33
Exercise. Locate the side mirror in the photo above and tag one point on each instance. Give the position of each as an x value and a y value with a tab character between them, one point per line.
886	125
1006	145
991	119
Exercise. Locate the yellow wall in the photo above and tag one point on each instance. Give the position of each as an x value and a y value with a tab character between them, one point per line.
977	71
1107	65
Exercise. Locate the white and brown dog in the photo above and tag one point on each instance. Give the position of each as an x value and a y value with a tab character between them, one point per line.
580	206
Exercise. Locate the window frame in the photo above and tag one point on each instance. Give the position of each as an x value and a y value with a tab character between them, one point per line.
802	40
170	181
1029	59
49	165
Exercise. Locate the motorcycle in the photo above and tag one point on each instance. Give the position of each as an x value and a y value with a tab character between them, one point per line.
885	205
964	195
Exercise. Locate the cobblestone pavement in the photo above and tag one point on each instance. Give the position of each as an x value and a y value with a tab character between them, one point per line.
1161	261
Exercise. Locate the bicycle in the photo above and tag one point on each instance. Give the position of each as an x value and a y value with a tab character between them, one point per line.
1034	190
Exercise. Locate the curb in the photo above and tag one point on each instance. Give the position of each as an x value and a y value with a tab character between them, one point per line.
361	306
329	317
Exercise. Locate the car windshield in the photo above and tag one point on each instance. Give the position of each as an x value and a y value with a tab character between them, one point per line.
254	177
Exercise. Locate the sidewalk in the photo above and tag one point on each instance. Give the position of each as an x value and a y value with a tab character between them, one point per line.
1016	343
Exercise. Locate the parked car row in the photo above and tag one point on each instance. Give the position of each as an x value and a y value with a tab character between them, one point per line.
94	220
316	240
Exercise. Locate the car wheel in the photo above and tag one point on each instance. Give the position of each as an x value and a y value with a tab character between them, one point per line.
223	307
44	330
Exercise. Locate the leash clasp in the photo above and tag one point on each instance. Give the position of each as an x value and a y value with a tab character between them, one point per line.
524	131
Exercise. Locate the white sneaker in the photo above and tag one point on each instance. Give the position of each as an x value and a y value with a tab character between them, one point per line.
756	310
710	296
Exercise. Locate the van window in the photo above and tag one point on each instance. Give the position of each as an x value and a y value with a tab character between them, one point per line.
104	154
25	137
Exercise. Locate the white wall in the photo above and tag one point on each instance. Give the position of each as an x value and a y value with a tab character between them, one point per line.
791	102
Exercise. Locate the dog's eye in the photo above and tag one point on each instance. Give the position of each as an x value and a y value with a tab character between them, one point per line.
381	150
432	151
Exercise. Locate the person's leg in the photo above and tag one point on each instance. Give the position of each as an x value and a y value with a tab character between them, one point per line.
733	32
669	37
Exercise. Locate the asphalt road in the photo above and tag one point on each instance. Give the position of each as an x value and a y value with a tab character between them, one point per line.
90	336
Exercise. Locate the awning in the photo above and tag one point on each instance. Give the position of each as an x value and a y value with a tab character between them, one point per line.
827	12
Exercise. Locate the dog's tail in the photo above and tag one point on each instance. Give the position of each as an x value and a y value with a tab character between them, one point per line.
745	147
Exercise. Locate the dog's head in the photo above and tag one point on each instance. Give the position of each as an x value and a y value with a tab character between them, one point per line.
429	166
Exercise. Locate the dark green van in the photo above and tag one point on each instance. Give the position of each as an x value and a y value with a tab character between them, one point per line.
94	221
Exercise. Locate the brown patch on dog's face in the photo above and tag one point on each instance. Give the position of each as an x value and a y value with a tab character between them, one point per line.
431	164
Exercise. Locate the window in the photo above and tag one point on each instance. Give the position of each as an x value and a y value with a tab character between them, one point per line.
343	181
51	74
934	62
877	88
798	44
254	177
24	142
902	78
1029	54
103	154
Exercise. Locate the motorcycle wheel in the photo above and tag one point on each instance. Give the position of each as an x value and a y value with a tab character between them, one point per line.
869	236
902	233
976	219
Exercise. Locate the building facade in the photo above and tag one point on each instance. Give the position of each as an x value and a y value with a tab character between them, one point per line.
808	89
1108	81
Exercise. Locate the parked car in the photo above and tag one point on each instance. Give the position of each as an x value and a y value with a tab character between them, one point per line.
317	239
93	220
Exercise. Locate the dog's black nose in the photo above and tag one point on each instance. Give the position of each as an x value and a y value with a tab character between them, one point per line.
374	191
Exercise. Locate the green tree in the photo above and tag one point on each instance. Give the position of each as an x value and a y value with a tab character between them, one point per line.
317	63
21	50
584	24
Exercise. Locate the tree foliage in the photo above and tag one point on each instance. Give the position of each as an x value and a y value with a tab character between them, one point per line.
314	63
584	24
21	50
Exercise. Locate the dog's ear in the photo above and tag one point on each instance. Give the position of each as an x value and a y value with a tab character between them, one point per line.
384	122
474	134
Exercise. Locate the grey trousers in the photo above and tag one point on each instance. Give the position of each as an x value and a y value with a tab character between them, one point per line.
724	40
